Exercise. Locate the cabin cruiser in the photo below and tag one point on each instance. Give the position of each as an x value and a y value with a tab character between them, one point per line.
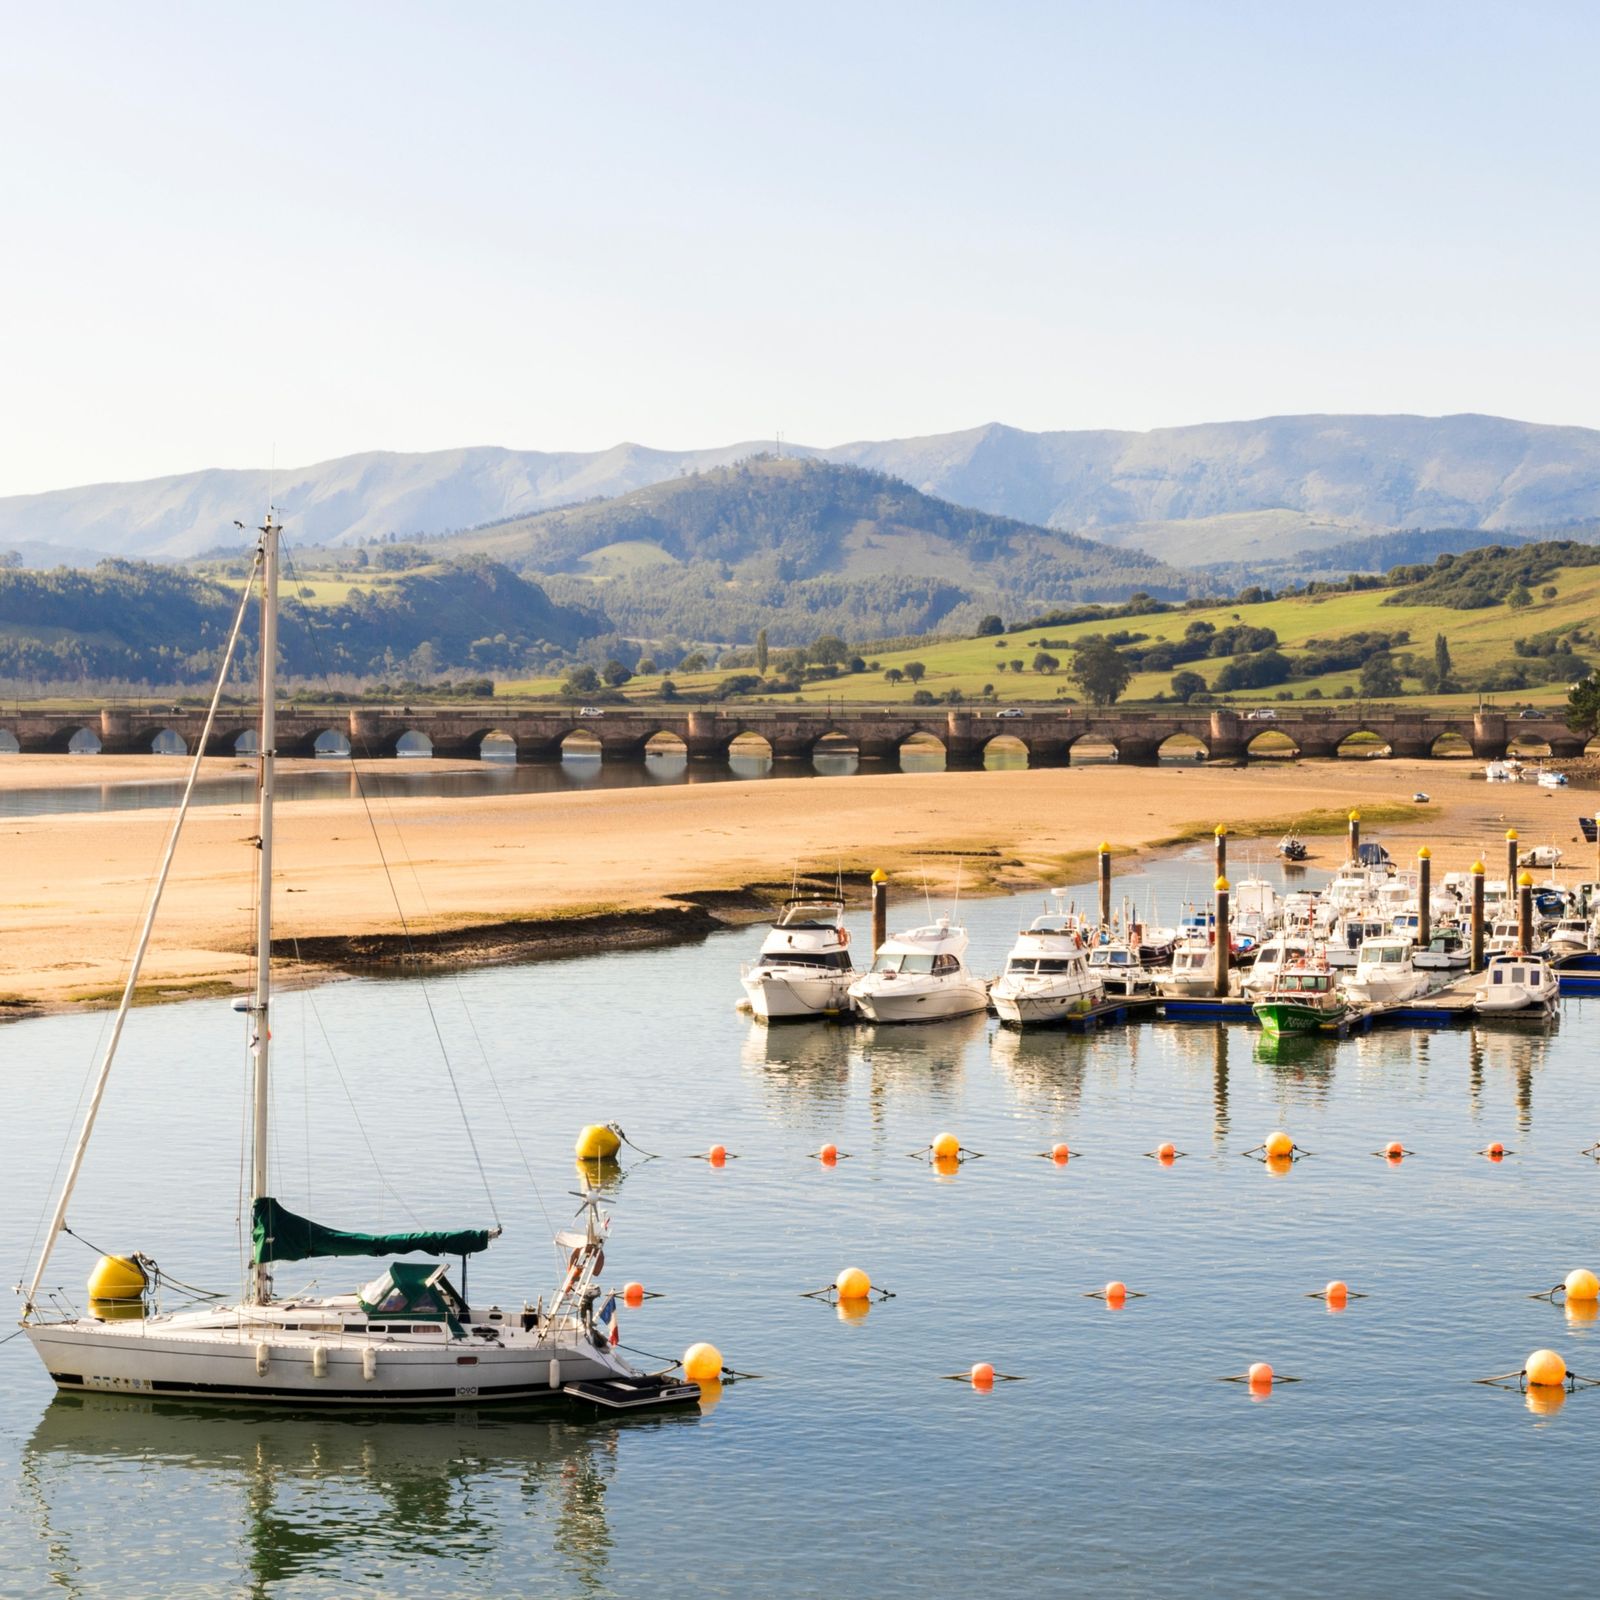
1047	975
1254	911
1279	952
1384	972
1349	933
1292	847
1549	778
919	976
1571	936
1506	771
804	967
1517	982
1446	952
1194	969
1121	972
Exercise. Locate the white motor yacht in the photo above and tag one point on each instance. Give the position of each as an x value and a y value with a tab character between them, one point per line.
1571	936
1549	778
1447	951
1047	975
919	976
1350	933
1517	982
1384	972
804	967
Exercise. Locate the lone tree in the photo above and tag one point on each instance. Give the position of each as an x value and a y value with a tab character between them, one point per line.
1441	659
615	673
1186	685
1101	671
1380	678
761	652
1046	663
581	680
894	675
915	671
1583	706
990	625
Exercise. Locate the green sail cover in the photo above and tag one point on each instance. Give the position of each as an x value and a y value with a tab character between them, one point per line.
279	1235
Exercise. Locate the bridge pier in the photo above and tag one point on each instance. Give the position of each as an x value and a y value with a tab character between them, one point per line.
116	733
870	749
1138	752
1489	735
1409	737
787	747
1227	741
1049	752
537	752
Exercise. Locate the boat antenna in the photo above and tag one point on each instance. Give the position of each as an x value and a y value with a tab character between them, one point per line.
955	904
927	896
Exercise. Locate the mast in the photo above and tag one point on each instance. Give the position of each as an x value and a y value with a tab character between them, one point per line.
261	1274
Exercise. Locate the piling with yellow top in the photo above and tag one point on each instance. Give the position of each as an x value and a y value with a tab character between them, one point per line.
1511	857
1525	913
1105	886
1221	833
880	909
1424	895
1220	966
1477	916
1355	835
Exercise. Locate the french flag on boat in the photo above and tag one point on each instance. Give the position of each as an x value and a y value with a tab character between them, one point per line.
607	1320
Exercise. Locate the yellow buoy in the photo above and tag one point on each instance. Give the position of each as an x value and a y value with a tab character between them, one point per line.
702	1363
1582	1284
1546	1369
1279	1144
597	1142
117	1278
945	1147
853	1284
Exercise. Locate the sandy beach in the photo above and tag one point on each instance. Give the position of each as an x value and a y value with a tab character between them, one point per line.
503	876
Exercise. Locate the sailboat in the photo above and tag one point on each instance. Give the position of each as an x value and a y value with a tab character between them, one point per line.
408	1336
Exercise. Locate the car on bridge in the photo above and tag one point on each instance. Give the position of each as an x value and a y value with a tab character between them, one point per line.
591	711
1010	711
1261	714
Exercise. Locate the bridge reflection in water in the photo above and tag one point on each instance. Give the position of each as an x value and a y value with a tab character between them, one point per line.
877	738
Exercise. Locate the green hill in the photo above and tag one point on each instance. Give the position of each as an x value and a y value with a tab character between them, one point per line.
800	547
142	622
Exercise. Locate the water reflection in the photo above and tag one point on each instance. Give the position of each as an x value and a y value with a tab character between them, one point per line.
335	1500
801	1058
1045	1067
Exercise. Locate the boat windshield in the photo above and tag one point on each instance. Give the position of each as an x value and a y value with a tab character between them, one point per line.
834	960
1110	958
1029	965
1306	982
810	914
899	961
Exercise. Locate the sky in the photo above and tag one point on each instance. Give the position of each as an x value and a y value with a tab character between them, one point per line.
238	235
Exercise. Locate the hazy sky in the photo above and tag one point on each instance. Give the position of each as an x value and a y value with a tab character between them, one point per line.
235	232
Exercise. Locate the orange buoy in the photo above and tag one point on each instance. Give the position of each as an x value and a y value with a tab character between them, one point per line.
633	1294
1394	1150
829	1155
946	1166
702	1363
1495	1151
1116	1292
1260	1376
1337	1293
853	1284
717	1155
1581	1284
983	1375
1060	1154
945	1146
1278	1145
1545	1369
1166	1153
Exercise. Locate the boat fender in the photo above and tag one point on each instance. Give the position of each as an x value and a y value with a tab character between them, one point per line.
369	1364
844	937
319	1361
263	1359
555	1372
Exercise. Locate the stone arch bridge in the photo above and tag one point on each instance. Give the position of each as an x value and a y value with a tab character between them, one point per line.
794	733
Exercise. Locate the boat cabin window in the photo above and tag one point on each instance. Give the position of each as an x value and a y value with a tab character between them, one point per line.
839	959
1028	965
897	961
946	964
1110	958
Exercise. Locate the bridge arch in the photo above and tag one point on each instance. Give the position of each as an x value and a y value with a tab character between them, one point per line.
10	744
1183	748
80	740
1006	751
836	753
922	750
748	750
412	745
580	744
1526	744
1363	744
1092	749
1272	744
666	744
162	741
1451	745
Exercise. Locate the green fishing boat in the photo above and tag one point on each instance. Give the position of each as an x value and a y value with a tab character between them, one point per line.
1303	1000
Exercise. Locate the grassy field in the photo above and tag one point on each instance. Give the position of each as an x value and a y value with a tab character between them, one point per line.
1479	640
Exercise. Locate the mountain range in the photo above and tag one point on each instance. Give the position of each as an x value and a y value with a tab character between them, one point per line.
1212	493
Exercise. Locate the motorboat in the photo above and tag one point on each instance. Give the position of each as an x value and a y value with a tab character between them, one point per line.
1506	771
1278	953
1446	952
1302	999
920	976
1549	778
1193	971
1348	935
1047	977
804	968
1571	936
1120	970
1517	982
1384	972
1292	847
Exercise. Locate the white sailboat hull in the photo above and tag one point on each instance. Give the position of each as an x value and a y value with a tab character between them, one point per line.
263	1365
1038	1005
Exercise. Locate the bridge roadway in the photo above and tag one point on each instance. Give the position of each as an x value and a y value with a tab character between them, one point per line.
793	733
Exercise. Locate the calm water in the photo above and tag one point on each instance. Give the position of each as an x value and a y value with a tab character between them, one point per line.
1119	1466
